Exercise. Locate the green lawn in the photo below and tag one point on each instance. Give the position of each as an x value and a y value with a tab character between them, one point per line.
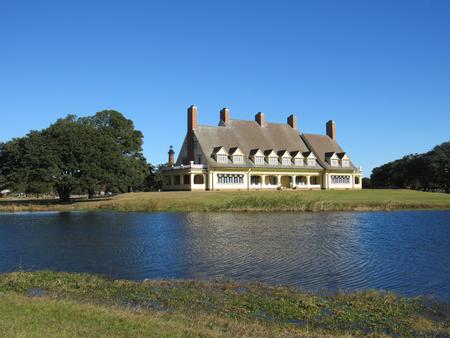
247	201
48	304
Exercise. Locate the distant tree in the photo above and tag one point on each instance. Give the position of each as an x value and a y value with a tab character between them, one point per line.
366	183
76	155
153	181
428	171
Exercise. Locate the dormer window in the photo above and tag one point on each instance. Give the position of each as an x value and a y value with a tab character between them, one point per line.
271	157
310	159
344	160
237	155
259	160
286	161
299	161
285	157
220	154
222	158
297	158
257	156
273	160
332	159
238	159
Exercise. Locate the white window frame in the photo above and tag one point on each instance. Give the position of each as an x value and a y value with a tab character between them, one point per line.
286	161
239	159
222	158
273	161
311	162
259	160
299	161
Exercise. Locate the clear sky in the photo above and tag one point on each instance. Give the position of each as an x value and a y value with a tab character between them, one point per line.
380	69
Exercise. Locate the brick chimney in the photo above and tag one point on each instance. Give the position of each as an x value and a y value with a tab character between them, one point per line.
260	119
171	156
225	115
192	124
292	121
331	129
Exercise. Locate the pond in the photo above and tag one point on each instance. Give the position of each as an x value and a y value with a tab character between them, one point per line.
405	251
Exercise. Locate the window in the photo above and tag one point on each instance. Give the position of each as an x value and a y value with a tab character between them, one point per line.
198	179
299	161
345	163
273	160
286	161
300	180
187	179
357	180
238	159
340	179
311	162
259	160
255	180
334	162
314	180
271	180
222	158
230	179
177	180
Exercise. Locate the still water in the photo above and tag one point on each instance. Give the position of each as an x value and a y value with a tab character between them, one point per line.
407	251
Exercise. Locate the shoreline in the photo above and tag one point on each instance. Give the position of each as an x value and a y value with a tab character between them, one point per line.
211	308
244	201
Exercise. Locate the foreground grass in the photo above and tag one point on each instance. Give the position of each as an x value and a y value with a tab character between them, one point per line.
247	201
48	304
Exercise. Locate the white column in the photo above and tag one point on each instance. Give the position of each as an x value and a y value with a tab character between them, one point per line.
293	181
263	183
308	182
278	180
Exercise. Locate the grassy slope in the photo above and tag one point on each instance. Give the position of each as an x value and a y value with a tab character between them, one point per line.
248	201
51	304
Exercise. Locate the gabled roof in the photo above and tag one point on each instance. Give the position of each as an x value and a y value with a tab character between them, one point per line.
283	153
218	149
235	150
309	154
270	153
297	154
248	136
323	144
255	152
331	154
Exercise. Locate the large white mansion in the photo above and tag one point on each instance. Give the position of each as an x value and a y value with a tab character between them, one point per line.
245	155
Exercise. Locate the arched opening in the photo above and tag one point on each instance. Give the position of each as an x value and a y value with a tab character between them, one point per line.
199	179
314	180
271	180
255	180
286	181
357	180
300	180
187	179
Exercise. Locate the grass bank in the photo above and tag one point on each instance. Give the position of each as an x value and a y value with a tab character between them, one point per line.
49	304
246	201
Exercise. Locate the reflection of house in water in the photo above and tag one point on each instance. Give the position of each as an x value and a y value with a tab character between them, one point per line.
245	155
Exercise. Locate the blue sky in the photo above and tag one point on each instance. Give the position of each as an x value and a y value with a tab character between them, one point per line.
380	69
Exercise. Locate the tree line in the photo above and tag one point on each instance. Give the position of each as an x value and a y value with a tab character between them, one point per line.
78	155
429	171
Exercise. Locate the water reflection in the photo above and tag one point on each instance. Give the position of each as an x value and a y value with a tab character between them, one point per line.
407	252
